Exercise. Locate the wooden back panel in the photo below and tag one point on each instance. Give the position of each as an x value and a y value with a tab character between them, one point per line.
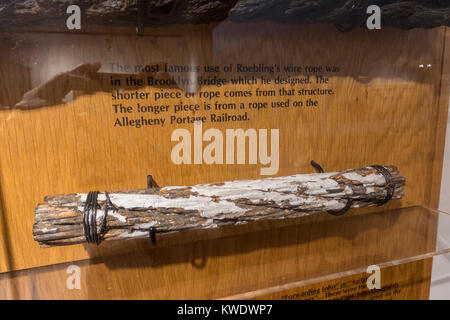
386	110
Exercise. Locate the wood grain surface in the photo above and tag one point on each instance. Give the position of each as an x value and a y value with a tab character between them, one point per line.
387	109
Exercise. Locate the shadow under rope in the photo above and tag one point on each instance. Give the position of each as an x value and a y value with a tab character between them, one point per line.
9	260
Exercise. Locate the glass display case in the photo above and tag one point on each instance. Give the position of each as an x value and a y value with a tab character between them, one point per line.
223	150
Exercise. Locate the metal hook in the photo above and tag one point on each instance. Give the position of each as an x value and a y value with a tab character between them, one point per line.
348	205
